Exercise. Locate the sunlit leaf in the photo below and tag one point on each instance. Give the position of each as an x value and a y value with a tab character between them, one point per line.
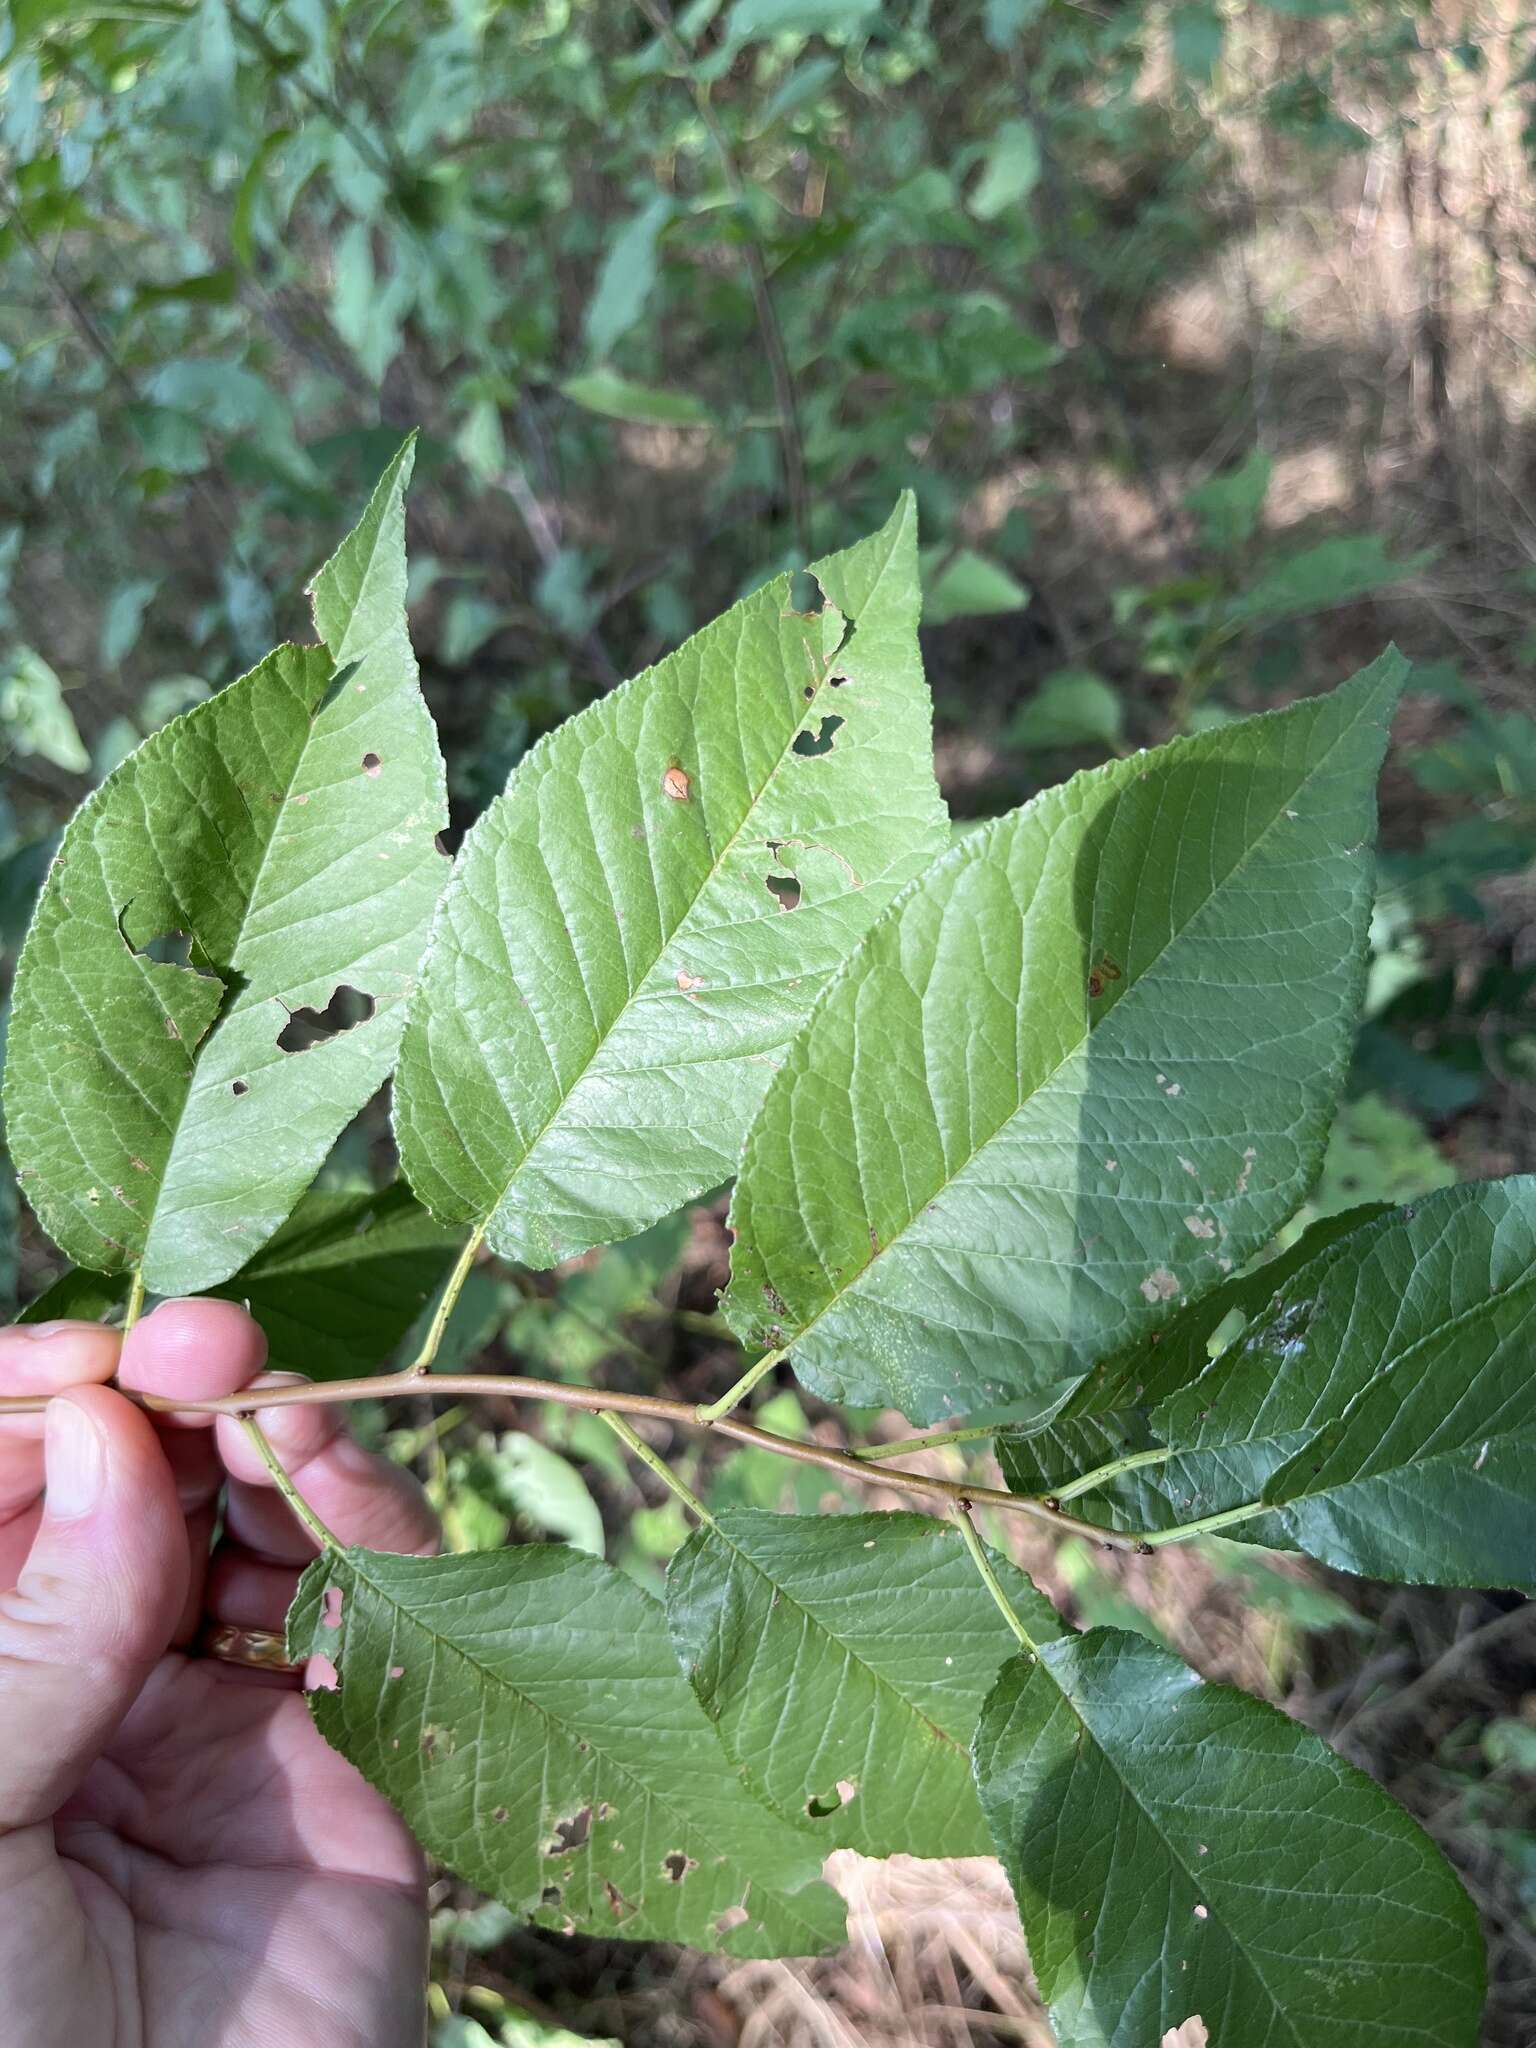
1078	1075
524	1711
215	979
635	930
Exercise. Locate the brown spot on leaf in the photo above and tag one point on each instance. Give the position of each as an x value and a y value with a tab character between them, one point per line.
1160	1285
675	784
677	1865
688	982
732	1918
372	765
618	1905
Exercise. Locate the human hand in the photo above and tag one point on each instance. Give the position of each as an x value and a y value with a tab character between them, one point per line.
184	1862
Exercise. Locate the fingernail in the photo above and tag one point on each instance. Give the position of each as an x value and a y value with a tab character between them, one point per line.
75	1461
40	1332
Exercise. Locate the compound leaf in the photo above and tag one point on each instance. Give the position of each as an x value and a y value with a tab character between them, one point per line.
1383	1408
636	928
1180	1849
525	1712
1082	1070
843	1661
167	1113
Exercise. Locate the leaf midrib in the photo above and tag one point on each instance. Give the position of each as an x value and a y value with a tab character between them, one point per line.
880	1680
705	882
198	1051
942	1188
687	1825
1202	1891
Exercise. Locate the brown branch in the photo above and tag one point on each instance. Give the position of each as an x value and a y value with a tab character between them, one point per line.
947	1494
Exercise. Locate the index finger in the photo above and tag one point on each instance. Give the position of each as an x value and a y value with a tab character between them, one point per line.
192	1350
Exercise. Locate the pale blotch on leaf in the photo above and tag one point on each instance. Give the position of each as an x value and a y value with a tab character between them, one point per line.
1192	2034
1160	1285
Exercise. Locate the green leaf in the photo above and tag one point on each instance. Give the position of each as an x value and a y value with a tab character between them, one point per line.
524	1711
283	832
340	1284
843	1661
1011	170
964	585
618	398
1377	1154
626	278
78	1296
1383	1408
636	929
751	20
1082	1071
1107	1417
34	719
1178	1849
1073	708
1228	506
1333	572
547	1491
1198	33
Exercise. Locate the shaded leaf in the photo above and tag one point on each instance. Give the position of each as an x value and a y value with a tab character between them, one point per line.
524	1711
1109	1415
339	1285
1073	708
618	398
1011	170
1384	1407
1178	1848
215	978
1081	1071
1333	572
843	1661
635	930
626	278
960	584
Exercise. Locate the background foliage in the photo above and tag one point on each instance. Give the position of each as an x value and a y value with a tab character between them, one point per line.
1202	334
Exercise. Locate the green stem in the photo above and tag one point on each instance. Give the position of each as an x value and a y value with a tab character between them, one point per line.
931	1442
286	1487
1103	1474
658	1465
734	1396
453	1287
135	1307
989	1578
1156	1538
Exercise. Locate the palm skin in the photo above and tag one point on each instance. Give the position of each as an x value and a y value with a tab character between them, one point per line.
192	1866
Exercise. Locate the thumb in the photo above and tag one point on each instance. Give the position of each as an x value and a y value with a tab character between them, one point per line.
96	1602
